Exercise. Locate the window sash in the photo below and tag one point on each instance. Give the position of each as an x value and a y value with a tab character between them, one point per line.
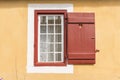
54	34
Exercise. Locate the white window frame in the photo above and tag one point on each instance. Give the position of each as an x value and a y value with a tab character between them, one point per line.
30	42
62	37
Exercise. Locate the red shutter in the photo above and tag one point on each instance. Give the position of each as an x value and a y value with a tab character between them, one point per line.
81	38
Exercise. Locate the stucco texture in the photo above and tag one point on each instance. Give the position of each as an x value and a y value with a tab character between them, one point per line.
13	41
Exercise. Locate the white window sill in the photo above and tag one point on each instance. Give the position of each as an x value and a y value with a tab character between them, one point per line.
49	69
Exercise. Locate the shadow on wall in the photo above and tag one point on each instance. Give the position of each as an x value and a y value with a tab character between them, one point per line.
89	3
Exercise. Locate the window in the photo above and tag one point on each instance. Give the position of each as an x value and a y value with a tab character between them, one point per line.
79	38
50	38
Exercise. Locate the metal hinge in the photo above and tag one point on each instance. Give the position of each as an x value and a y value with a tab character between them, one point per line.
66	18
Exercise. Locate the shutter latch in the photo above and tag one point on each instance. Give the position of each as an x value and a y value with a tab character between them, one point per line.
97	50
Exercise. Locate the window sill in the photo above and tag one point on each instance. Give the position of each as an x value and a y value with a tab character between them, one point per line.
50	69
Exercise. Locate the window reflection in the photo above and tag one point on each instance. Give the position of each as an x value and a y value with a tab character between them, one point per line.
43	19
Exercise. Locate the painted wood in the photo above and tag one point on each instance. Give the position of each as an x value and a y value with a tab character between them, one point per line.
79	61
81	38
80	17
53	12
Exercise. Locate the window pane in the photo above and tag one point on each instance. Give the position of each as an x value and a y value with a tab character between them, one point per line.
50	56
50	29
43	19
43	57
57	20
58	29
50	19
50	35
58	38
50	47
58	57
50	38
58	47
43	47
42	29
42	38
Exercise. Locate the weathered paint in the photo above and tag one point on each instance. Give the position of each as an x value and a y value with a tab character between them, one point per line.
13	41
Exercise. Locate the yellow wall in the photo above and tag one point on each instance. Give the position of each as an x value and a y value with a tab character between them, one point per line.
13	41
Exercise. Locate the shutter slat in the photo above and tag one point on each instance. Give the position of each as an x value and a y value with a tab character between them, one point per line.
81	18
81	55
81	61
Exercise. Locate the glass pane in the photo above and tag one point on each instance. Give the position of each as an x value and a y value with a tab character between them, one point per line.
50	47
43	47
58	38
43	57
50	56
57	20
58	47
50	38
42	38
58	57
50	19
50	29
43	19
58	29
42	29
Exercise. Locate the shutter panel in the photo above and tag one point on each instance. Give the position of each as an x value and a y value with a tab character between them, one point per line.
81	38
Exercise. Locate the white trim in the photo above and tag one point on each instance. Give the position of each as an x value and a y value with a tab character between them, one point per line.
30	43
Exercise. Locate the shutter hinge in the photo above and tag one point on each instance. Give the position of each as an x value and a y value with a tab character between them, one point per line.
66	56
66	18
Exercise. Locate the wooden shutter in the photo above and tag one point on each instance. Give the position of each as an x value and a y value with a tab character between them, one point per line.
81	38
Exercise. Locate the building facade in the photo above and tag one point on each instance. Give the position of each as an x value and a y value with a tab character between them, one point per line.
14	27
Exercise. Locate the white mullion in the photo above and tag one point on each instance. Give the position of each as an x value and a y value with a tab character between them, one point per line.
54	38
39	38
47	38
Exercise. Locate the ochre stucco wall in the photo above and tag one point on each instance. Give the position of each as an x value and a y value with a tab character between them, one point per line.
13	41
